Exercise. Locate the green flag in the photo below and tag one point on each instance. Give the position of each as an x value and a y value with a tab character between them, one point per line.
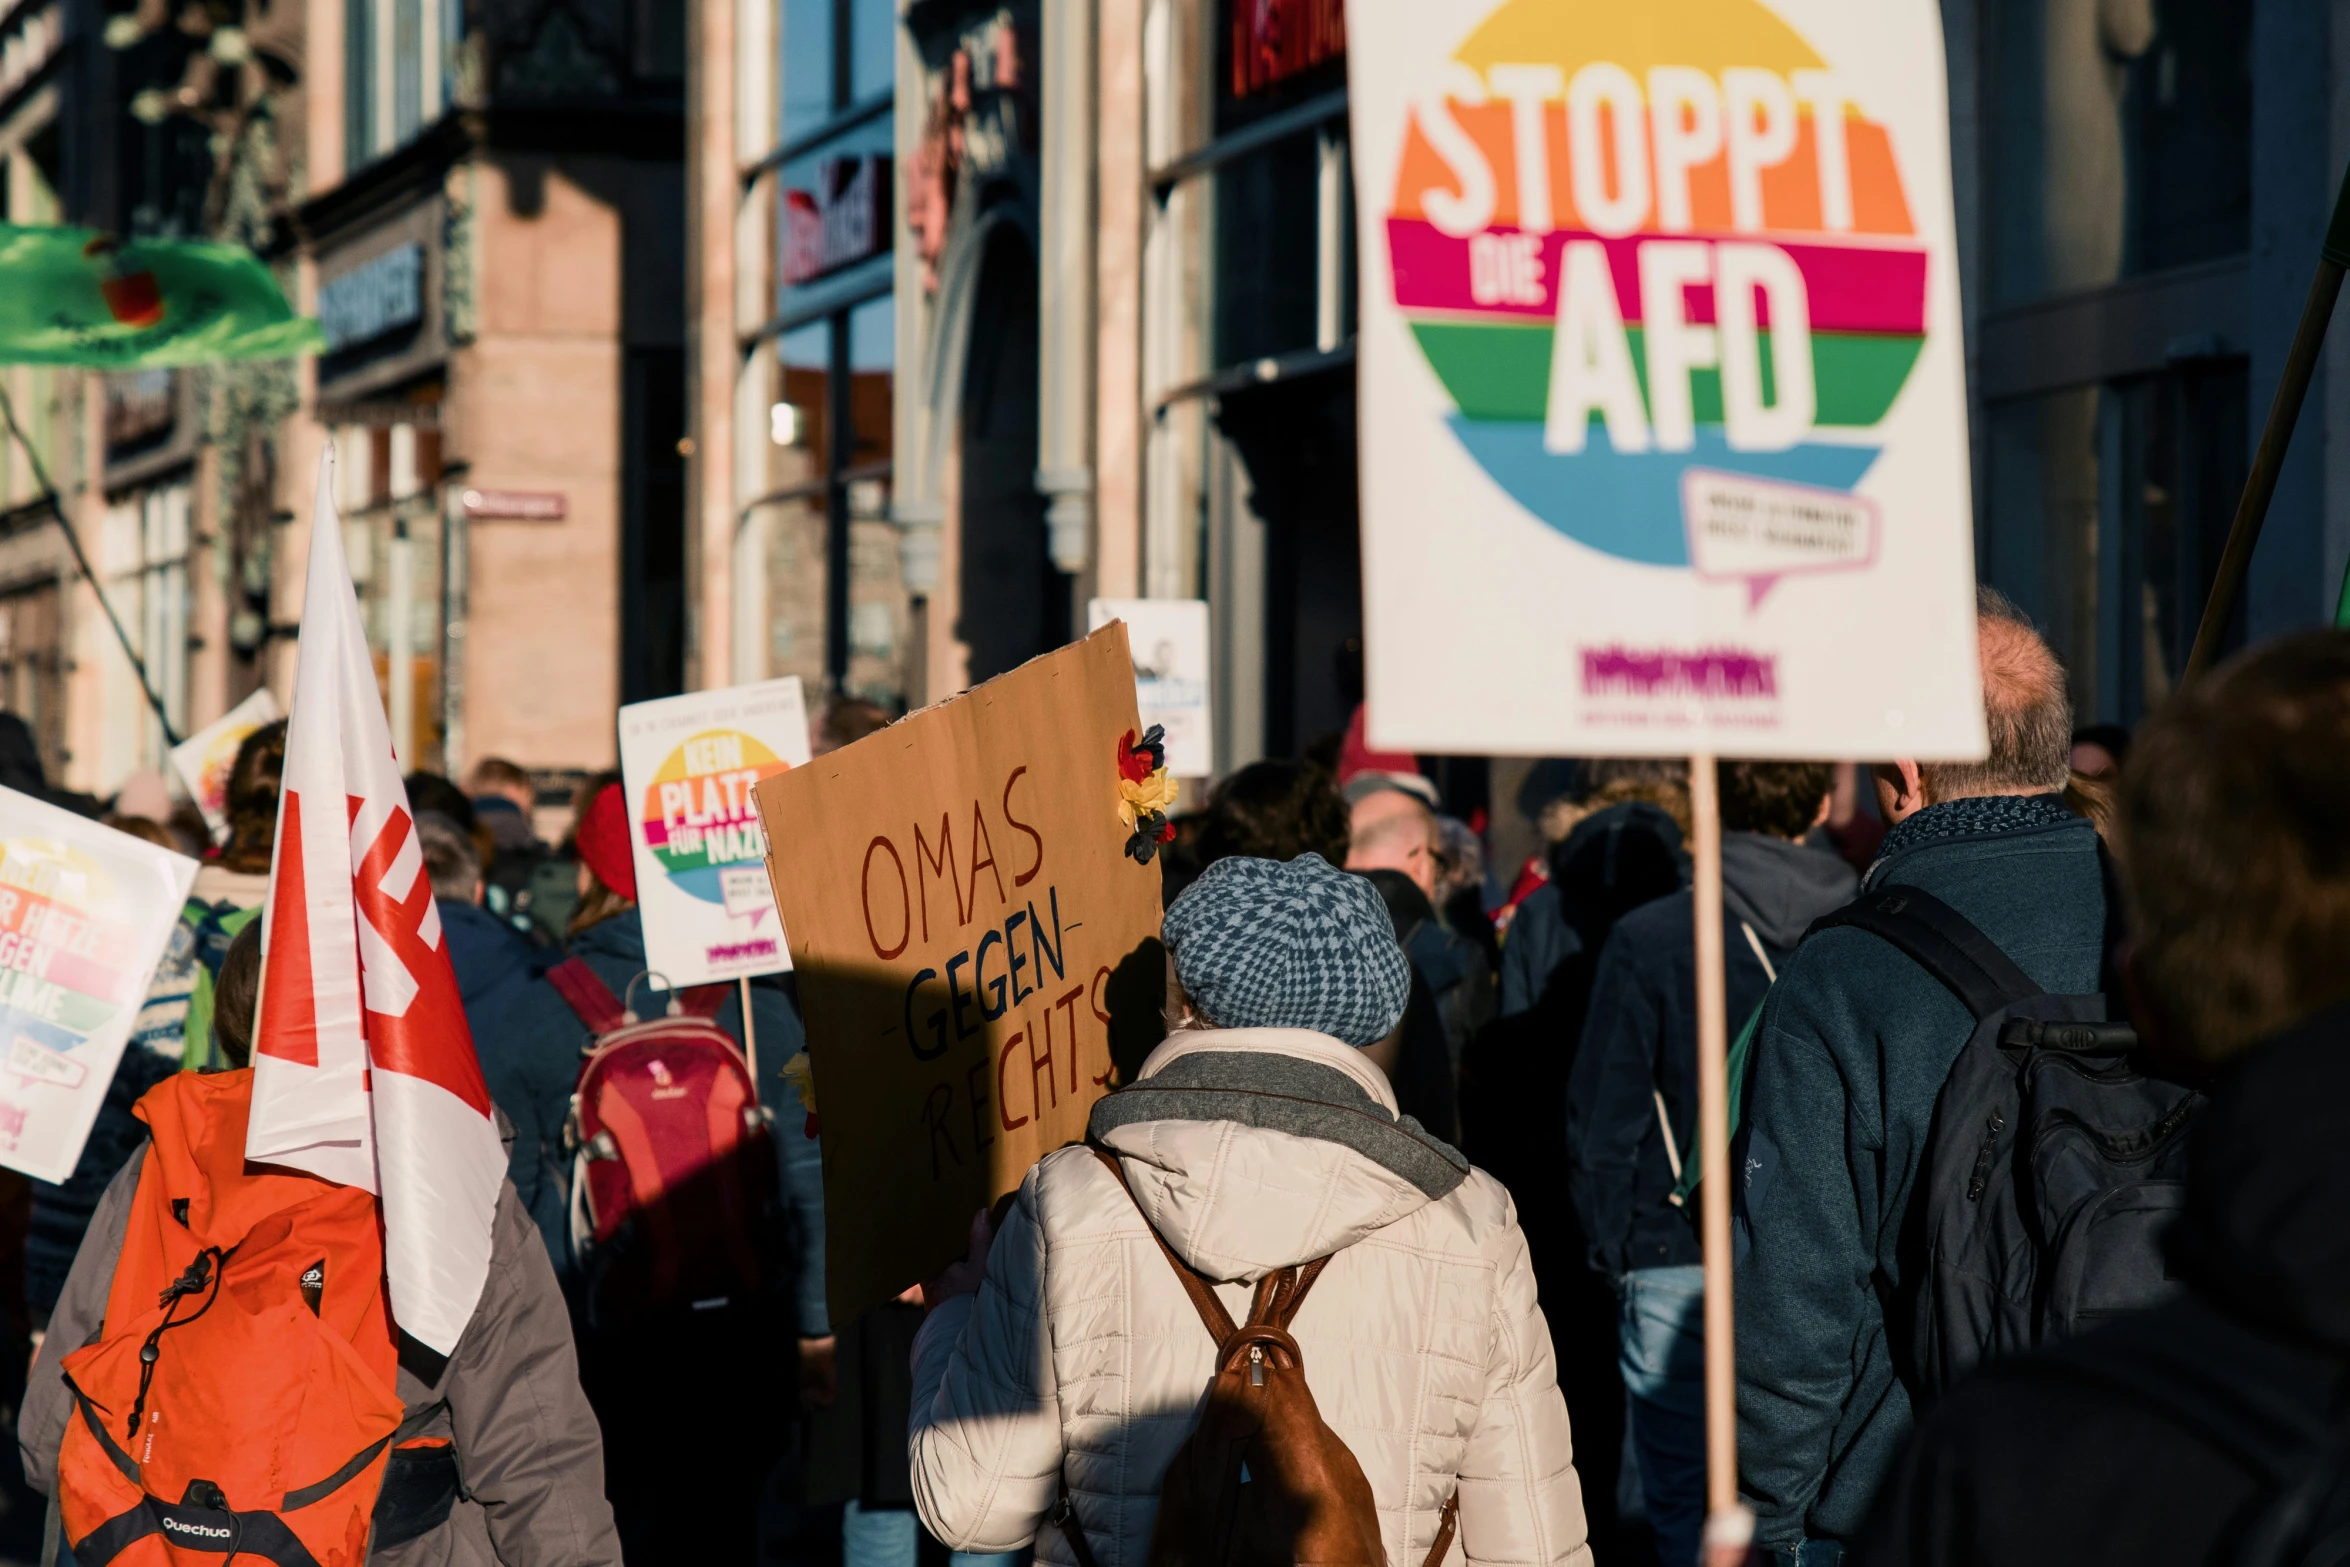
78	297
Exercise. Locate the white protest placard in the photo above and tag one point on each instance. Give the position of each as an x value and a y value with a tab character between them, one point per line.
85	913
1169	638
688	764
204	759
1663	433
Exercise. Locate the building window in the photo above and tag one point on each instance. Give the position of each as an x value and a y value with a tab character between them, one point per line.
2117	188
836	608
399	61
146	569
2120	140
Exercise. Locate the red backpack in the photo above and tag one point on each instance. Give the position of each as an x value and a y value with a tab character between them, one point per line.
673	1172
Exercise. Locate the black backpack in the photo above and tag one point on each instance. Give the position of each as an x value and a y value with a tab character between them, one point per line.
2053	1168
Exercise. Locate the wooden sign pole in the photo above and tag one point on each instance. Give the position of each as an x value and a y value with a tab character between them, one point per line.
1729	1527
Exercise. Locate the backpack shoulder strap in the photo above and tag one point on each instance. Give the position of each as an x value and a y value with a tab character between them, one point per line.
703	1001
1939	940
586	995
1211	1310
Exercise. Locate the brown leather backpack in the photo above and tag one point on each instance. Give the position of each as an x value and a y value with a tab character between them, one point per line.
1262	1482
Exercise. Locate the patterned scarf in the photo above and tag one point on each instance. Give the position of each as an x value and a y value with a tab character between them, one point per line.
1973	818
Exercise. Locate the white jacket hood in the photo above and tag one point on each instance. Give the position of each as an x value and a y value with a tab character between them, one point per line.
1256	1149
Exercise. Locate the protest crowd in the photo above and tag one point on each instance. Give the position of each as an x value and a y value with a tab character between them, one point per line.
1418	1152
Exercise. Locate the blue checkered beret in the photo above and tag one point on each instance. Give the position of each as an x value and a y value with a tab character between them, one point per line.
1260	944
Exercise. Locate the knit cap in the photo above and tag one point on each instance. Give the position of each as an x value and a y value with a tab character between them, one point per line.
1260	944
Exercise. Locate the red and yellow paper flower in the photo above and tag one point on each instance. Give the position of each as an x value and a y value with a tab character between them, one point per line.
1145	793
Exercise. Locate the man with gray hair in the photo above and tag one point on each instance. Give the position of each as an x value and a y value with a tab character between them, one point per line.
1849	1057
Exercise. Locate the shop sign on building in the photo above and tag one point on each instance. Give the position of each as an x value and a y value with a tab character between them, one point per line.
1274	40
1663	418
844	219
515	505
377	297
688	764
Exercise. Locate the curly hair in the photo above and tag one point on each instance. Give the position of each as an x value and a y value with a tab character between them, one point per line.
1275	811
253	781
1779	798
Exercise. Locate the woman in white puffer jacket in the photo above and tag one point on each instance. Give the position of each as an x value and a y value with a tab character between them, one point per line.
1079	1365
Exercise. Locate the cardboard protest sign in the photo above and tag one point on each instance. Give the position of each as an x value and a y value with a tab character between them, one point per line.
1170	642
972	941
1662	393
689	763
85	913
203	760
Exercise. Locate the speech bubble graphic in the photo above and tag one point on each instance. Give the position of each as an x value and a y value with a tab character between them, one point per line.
1757	531
745	891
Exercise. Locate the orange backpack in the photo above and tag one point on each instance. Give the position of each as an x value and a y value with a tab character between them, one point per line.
240	1397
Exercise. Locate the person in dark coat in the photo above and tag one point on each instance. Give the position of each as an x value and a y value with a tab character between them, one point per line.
672	1396
1514	1112
1632	1109
2193	1432
1848	1060
489	958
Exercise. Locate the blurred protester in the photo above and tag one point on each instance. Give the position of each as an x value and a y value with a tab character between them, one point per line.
1849	1058
144	828
1393	828
1463	888
2092	799
503	798
845	722
1361	770
2099	751
174	1022
1397	842
2207	1429
1647	799
487	956
21	769
1632	1109
144	793
498	1458
1853	828
671	1428
1062	1363
1272	810
191	833
524	883
1621	848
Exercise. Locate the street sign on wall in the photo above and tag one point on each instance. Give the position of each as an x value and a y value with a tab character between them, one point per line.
1663	412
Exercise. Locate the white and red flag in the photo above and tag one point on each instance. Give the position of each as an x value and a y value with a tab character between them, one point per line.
364	1071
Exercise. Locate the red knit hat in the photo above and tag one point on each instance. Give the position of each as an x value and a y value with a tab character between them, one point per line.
603	841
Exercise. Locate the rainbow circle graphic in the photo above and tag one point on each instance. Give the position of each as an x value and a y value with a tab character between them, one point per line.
1636	240
697	813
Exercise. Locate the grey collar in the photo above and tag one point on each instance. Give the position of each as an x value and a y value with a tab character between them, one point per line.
1282	1093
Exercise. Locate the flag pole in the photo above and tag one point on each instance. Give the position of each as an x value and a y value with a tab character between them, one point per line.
2333	259
1729	1527
73	541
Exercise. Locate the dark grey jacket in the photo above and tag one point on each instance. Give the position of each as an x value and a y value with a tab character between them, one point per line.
529	1451
1852	1051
